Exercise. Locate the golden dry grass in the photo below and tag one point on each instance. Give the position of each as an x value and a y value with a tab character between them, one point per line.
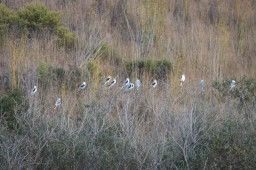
162	128
206	40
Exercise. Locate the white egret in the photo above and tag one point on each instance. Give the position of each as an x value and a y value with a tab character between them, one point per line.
57	103
126	82
129	87
82	86
137	84
154	84
34	90
112	83
232	84
182	79
202	85
107	80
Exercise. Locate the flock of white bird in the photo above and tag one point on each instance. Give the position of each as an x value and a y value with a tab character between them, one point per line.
128	86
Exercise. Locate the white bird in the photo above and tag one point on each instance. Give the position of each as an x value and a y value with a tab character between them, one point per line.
34	90
82	86
57	103
129	87
107	80
137	84
126	82
232	84
182	79
202	85
112	83
154	84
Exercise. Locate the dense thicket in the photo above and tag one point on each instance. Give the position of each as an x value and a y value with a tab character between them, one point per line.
56	45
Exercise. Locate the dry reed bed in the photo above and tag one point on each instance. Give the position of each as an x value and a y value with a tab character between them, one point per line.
209	40
142	130
169	128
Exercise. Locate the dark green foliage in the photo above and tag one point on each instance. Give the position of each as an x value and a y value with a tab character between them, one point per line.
223	88
7	18
160	69
52	143
9	102
65	38
244	91
172	157
38	18
73	77
59	74
10	105
44	74
35	19
62	151
51	76
113	153
108	153
227	146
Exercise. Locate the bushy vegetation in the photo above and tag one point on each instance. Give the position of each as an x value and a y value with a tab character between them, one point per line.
203	136
160	69
65	37
244	91
49	75
11	105
7	18
170	127
35	19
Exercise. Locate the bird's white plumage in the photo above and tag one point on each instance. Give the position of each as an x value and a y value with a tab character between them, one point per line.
82	86
57	103
232	84
107	80
34	90
137	84
182	79
202	85
153	84
113	82
129	87
126	82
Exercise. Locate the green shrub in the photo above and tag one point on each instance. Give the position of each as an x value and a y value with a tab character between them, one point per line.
150	66
227	146
59	77
35	18
44	72
157	68
65	38
111	150
58	73
10	105
50	75
73	77
163	68
38	18
7	17
244	91
222	87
